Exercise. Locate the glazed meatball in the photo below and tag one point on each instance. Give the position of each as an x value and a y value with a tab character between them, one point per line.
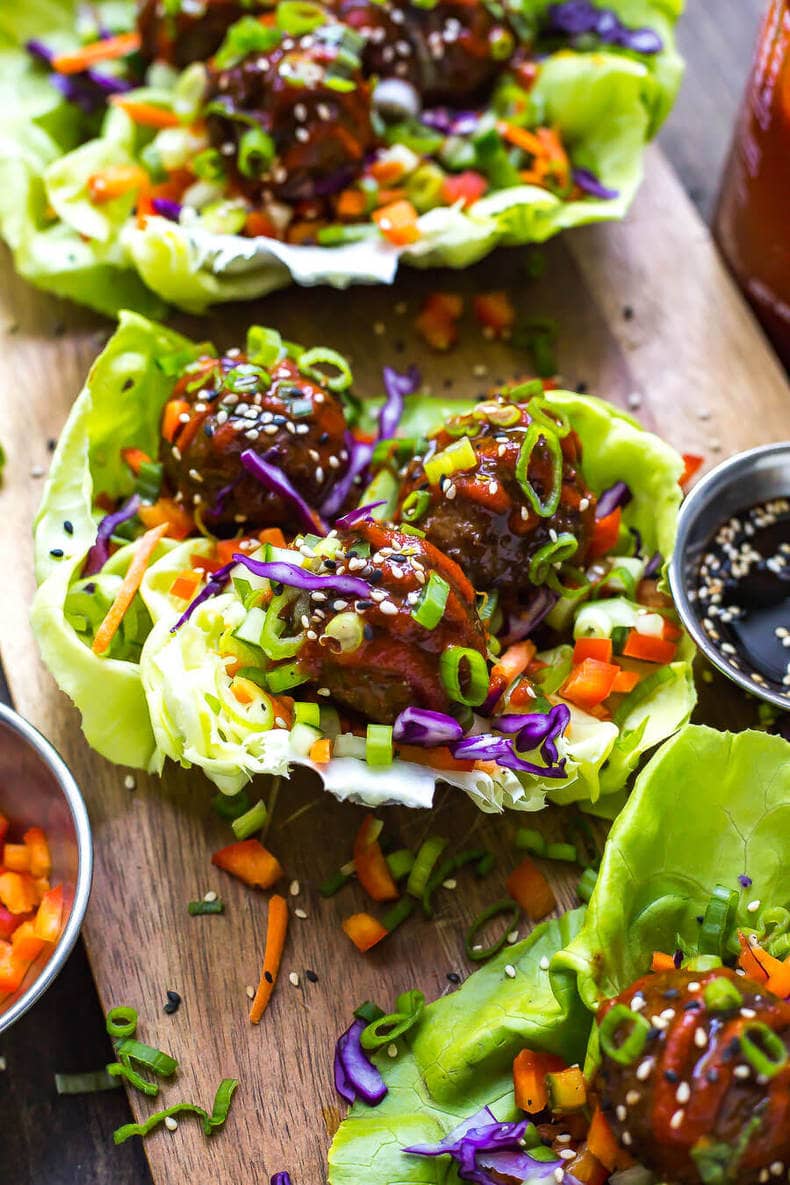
312	103
232	406
193	33
396	661
481	516
450	52
692	1089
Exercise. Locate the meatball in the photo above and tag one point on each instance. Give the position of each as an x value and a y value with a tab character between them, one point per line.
313	104
232	406
481	516
396	663
692	1089
192	34
450	52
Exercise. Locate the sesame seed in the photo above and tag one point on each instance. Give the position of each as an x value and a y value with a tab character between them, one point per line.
753	906
621	1112
300	913
388	608
129	782
294	888
700	1038
559	1175
170	1123
510	971
210	896
293	978
693	986
633	1097
683	1092
512	937
626	1139
748	1013
645	1069
677	1119
566	1154
544	964
250	990
450	883
741	1072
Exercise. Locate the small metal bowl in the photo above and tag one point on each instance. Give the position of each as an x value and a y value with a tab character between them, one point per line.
37	789
740	482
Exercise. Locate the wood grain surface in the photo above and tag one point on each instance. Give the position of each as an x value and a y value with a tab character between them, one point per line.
647	316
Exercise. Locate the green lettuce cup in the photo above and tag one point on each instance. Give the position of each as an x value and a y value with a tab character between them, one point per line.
213	671
600	99
705	821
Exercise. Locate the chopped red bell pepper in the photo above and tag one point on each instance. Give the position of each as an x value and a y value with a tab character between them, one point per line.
466	187
26	943
10	922
626	681
250	862
40	858
590	683
599	648
605	534
495	312
49	915
436	322
135	458
648	648
692	464
371	868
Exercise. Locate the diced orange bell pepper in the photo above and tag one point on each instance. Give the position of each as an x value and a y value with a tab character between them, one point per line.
495	312
398	223
9	922
364	930
250	861
371	868
12	969
671	632
603	1145
626	681
18	892
467	187
321	751
40	858
662	962
598	648
49	916
605	533
351	204
590	683
116	181
271	535
165	511
186	584
16	857
26	943
691	464
529	888
648	648
438	331
529	1079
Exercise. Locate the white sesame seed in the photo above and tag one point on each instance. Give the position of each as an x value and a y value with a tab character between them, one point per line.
633	1097
294	888
645	1069
566	1154
753	906
210	896
300	913
170	1123
559	1175
250	990
700	1038
627	1139
129	782
450	883
693	986
741	1072
683	1092
748	1013
512	937
392	1050
510	971
388	608
677	1119
544	964
621	1112
3	1064
37	471
293	978
777	1168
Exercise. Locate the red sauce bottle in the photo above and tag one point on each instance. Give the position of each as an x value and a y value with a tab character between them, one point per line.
752	222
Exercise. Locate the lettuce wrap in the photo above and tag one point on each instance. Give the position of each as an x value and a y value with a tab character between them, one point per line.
166	691
604	103
709	809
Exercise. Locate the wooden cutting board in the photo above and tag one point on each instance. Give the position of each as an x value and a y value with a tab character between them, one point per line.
649	319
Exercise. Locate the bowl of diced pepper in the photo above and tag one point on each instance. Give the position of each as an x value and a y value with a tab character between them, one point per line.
46	863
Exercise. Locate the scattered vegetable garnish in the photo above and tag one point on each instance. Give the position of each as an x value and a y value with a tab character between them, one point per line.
198	908
250	861
528	886
276	932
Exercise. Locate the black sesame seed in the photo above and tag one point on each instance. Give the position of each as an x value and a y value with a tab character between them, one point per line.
267	975
628	312
692	1006
173	996
68	526
671	1076
368	632
453	977
56	552
712	1074
311	975
52	445
170	1008
376	576
652	1033
362	605
127	386
323	438
671	994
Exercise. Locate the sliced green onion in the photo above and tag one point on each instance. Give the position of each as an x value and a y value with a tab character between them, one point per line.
541	1153
486	864
88	1083
718	921
586	884
457	457
284	677
197	909
121	1021
529	840
216	1119
309	366
703	963
429	852
450	666
542	412
221	1105
429	610
334	883
378	745
306	713
626	1051
346	631
146	1056
297	17
149	480
135	1080
400	863
208	165
446	869
264	346
398	914
551	500
272	641
551	555
415	506
507	907
256	152
336	236
721	995
251	821
256	675
763	1048
408	1009
369	1012
230	806
561	851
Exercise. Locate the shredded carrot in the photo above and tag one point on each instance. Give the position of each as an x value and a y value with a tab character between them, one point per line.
525	140
321	751
387	171
257	225
99	51
147	115
144	551
662	962
135	458
515	660
115	181
603	1145
276	931
763	967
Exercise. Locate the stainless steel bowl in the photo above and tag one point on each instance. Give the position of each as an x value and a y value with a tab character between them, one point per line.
737	484
36	788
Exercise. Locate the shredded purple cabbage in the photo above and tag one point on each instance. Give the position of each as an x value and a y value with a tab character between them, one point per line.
99	554
397	386
342	1081
276	482
88	89
421	726
167	208
456	123
574	18
214	586
281	572
586	180
356	516
653	565
745	881
534	730
481	1145
609	500
281	1179
542	603
358	1072
360	453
